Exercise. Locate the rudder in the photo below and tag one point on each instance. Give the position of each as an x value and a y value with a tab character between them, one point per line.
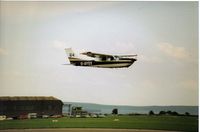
69	52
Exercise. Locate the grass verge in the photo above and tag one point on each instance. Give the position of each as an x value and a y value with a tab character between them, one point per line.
175	123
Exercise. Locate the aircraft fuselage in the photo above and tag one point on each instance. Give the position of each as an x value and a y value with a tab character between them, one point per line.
122	62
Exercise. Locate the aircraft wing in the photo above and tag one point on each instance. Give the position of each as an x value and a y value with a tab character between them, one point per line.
96	55
126	55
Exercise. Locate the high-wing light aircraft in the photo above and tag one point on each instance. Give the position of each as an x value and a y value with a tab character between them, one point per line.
100	60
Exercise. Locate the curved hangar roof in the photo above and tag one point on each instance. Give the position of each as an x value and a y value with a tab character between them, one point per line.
15	98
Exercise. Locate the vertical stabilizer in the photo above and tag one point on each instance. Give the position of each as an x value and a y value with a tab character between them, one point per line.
69	52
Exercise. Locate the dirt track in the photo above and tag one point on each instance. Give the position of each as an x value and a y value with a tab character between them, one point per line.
82	130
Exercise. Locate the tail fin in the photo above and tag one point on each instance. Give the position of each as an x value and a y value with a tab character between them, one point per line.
70	55
69	52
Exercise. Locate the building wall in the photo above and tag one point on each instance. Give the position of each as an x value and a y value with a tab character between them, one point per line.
15	108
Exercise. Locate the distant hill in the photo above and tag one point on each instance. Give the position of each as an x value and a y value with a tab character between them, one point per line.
107	109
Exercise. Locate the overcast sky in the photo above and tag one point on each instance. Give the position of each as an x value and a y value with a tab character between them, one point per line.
33	36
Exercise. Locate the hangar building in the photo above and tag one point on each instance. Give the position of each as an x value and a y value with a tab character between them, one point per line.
23	105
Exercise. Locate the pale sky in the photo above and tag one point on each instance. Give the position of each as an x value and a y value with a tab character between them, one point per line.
33	36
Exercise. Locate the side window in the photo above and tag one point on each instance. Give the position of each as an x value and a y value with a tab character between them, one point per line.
104	58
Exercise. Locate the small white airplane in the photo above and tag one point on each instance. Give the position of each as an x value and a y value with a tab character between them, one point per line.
101	60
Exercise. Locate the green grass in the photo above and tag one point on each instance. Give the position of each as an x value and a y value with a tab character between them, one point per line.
176	123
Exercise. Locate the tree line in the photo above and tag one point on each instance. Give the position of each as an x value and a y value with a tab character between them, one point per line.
173	113
151	112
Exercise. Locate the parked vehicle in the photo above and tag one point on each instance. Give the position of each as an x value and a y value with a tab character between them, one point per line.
2	117
32	115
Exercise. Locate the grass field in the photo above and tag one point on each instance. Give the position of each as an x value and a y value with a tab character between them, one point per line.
175	123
